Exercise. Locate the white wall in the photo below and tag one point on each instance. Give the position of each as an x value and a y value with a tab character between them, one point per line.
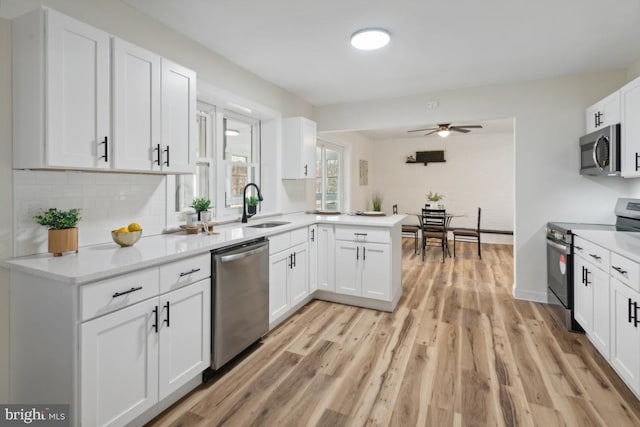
6	212
549	118
478	172
356	147
123	21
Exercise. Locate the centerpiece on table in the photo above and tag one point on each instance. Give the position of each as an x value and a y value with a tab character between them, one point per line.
435	200
63	230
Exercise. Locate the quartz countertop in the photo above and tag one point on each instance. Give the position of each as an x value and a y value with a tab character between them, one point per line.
624	243
99	262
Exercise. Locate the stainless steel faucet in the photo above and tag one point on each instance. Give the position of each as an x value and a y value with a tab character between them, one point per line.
244	200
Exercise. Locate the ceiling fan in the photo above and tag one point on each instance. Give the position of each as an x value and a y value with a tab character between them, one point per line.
444	129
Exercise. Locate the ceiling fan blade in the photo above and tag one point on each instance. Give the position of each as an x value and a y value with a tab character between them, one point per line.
468	126
431	133
422	130
456	129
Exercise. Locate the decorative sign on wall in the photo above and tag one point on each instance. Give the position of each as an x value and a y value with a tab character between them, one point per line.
364	172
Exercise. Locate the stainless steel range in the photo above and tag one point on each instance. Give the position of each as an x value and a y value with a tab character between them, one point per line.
560	252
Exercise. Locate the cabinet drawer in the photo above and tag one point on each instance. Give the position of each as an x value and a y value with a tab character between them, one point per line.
593	253
363	234
625	270
180	273
113	294
279	243
300	235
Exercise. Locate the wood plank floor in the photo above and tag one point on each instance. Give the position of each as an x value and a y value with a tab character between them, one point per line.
458	350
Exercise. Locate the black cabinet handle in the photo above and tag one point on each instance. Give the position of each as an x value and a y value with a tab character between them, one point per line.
291	261
586	277
595	257
166	150
155	322
157	150
119	294
357	252
193	270
167	320
595	119
577	247
364	253
294	259
106	150
305	170
635	315
619	270
313	235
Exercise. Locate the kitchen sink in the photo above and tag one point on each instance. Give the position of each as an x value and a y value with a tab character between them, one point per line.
269	224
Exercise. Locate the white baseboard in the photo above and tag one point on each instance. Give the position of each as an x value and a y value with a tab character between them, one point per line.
535	296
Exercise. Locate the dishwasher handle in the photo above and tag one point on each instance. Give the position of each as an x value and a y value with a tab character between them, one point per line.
241	255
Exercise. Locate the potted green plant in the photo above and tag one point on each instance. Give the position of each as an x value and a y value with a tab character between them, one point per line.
63	230
252	203
435	200
201	204
376	201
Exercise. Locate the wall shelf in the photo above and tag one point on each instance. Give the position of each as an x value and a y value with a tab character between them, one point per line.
425	157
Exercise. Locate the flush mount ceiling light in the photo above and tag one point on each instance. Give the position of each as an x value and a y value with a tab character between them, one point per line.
370	38
231	132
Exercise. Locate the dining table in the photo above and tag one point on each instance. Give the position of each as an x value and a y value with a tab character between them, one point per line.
447	222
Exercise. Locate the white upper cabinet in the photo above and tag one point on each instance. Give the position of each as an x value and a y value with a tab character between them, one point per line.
62	112
68	97
178	148
630	129
136	100
603	113
298	148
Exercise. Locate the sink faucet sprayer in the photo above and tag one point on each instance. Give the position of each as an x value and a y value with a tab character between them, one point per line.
244	200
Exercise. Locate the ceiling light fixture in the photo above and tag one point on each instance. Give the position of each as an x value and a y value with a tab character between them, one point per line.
443	133
231	132
370	38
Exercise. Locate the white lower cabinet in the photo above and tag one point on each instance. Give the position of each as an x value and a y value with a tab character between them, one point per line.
134	357
288	272
313	258
625	333
582	296
326	246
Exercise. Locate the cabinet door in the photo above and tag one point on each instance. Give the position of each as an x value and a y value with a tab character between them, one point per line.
326	258
630	105
178	119
299	148
78	94
119	365
583	293
136	99
185	335
279	266
600	332
299	275
591	118
376	271
348	268
313	258
308	149
625	335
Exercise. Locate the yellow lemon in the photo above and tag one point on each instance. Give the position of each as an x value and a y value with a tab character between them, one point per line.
134	226
122	230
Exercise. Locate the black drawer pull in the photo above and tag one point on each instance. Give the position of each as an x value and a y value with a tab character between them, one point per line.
577	247
166	162
619	270
167	306
586	277
193	270
157	161
595	257
106	149
155	314
119	294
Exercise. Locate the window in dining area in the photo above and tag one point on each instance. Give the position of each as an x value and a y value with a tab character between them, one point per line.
329	176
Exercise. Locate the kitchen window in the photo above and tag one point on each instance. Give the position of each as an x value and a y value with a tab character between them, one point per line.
241	156
329	176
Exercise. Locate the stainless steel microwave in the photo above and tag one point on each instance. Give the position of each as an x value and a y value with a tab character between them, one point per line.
600	152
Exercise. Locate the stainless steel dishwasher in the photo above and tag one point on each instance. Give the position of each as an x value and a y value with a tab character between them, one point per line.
240	298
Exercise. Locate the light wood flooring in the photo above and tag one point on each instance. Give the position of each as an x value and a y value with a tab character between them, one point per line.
458	350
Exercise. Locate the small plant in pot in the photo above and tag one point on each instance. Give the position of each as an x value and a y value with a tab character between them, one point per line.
376	201
252	205
63	231
201	204
435	200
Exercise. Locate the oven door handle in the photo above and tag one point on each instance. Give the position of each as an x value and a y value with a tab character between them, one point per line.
564	248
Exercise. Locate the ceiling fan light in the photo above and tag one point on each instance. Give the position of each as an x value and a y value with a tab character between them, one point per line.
443	133
370	38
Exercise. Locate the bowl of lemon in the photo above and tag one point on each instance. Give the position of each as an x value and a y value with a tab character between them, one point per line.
127	236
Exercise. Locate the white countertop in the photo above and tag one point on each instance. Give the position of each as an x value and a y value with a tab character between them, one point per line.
623	243
98	262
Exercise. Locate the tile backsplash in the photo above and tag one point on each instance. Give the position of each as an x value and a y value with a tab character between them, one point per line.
107	201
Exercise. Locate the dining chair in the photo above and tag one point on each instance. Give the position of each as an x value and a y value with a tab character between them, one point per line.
409	230
434	227
471	236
